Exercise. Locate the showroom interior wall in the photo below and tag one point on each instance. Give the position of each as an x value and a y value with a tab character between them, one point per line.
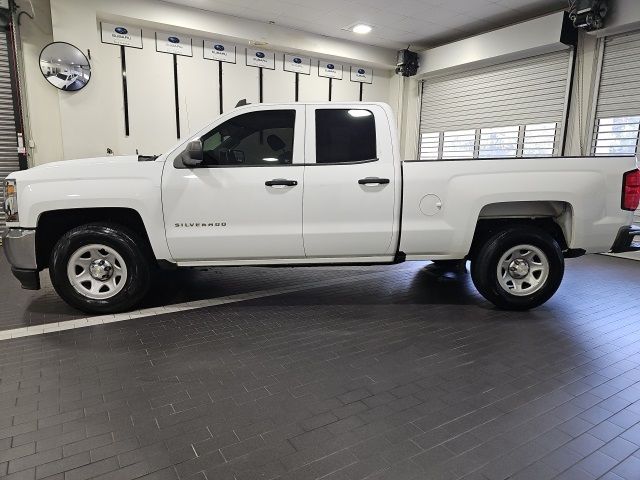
90	121
93	116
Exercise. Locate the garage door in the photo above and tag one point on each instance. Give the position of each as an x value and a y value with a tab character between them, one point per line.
514	109
617	125
8	143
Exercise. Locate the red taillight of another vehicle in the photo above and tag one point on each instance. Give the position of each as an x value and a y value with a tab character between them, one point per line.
631	190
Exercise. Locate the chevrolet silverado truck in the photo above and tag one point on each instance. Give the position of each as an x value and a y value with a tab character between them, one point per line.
311	184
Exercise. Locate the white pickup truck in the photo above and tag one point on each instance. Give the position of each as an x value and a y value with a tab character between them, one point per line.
311	184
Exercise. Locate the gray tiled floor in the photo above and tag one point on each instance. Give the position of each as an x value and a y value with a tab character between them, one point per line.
408	375
22	308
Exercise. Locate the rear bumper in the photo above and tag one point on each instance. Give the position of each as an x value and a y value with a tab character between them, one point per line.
19	246
628	240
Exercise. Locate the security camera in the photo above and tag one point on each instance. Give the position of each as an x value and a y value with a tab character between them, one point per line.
588	14
407	63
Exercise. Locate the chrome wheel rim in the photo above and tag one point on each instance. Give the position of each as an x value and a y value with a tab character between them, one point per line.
523	270
97	271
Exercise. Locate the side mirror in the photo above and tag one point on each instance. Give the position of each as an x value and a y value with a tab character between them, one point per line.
193	155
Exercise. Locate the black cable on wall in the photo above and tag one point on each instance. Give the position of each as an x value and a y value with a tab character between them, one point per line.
125	90
563	147
220	86
176	94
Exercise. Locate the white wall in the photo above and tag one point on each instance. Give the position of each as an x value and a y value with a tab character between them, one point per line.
93	118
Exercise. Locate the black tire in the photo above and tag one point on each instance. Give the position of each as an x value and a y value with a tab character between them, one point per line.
484	267
126	243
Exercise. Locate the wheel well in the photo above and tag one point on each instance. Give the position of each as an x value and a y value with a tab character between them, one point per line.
55	223
487	227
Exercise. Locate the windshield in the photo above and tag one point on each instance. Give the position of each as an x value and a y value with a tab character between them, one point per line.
62	76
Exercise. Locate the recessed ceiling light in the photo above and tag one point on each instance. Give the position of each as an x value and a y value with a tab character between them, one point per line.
361	28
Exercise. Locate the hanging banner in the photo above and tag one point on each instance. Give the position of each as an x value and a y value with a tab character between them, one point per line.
174	43
121	35
215	50
361	74
294	63
329	70
261	58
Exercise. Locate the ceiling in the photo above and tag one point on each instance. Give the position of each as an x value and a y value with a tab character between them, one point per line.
396	23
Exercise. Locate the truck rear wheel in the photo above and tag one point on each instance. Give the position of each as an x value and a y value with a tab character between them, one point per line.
518	268
100	268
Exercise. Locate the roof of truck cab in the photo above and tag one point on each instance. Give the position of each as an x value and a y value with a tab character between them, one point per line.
281	104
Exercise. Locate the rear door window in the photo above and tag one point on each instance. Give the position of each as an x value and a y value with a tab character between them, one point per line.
345	136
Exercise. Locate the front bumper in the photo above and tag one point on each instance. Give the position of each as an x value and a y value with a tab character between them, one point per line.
19	246
628	240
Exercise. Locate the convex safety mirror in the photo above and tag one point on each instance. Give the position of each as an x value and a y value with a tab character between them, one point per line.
65	66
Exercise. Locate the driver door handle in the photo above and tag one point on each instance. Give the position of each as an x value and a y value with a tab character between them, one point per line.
281	182
373	181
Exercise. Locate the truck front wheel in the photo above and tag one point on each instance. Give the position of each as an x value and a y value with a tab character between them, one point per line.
100	268
518	268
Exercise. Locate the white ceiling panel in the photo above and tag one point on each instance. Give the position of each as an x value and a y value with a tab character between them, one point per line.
422	23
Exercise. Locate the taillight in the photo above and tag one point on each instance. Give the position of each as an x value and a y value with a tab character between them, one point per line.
631	190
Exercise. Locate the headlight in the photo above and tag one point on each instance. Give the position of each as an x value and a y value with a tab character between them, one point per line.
10	204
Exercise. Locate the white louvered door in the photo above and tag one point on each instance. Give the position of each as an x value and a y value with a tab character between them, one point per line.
8	142
512	109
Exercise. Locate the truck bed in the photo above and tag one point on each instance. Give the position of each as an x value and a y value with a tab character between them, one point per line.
443	200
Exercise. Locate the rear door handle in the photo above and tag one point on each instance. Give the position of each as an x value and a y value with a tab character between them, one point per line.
281	182
373	181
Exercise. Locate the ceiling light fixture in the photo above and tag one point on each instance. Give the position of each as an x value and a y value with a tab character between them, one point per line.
361	28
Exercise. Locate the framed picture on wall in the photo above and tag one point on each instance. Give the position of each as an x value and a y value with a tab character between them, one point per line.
297	64
330	70
361	74
221	51
174	43
261	58
117	34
